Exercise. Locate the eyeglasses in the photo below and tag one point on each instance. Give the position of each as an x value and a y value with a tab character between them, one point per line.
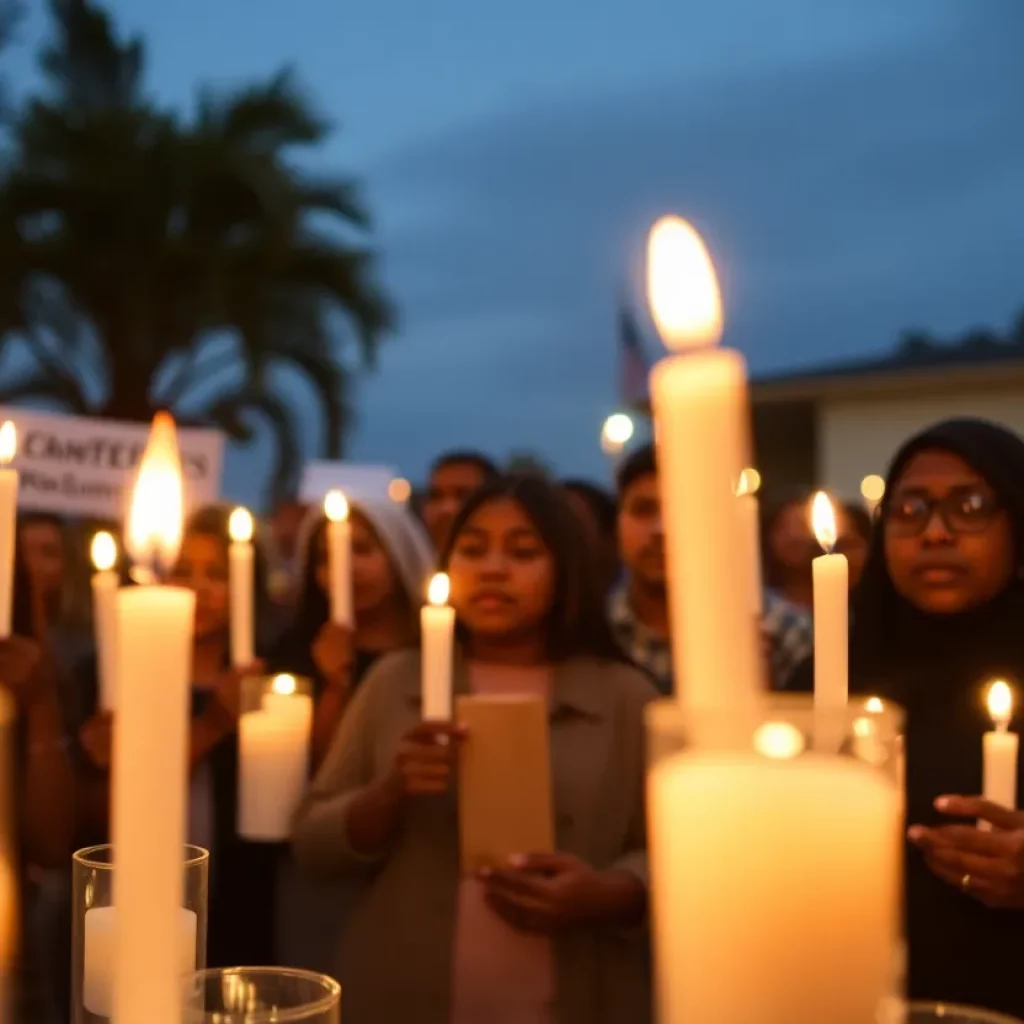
963	510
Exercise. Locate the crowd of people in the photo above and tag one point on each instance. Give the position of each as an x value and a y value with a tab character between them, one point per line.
560	590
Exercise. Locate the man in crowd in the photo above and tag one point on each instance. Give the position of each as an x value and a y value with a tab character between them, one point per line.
638	609
454	476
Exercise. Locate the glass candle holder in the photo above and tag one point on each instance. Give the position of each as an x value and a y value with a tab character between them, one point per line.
94	922
775	847
275	733
261	995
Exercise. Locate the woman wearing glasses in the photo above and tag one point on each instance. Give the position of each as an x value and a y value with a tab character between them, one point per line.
939	615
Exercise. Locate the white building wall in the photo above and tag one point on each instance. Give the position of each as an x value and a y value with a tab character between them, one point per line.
859	436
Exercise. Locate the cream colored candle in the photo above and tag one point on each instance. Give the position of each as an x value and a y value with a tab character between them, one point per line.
273	761
437	630
743	941
750	525
154	666
339	557
100	928
702	432
831	623
8	522
999	750
105	585
241	574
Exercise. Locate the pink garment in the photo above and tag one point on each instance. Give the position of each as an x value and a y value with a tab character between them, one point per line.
501	976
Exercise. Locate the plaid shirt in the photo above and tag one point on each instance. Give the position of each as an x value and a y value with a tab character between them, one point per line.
787	628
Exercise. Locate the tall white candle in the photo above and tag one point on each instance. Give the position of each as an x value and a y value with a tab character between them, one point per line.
154	640
734	944
105	584
999	750
831	626
750	524
339	556
241	572
437	632
702	433
273	761
8	522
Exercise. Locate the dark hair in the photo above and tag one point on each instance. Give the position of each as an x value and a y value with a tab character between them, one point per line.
465	457
577	621
638	464
22	611
41	519
597	499
860	518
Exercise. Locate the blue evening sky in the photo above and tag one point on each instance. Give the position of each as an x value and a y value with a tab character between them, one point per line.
855	165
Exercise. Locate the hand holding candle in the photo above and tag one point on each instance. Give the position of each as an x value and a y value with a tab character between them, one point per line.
105	583
999	750
437	628
241	569
8	522
339	555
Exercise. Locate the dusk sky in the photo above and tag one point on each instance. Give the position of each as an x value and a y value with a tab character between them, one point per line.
856	167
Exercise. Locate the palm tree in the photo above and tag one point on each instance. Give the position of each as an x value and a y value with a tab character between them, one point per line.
148	262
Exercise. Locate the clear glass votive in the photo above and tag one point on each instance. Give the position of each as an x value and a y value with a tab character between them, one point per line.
929	1013
275	733
775	842
261	995
94	919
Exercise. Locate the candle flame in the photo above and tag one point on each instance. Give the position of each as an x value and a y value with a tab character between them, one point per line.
103	551
335	506
682	287
874	706
399	489
823	521
439	589
284	684
779	740
1000	703
8	442
750	482
155	519
240	525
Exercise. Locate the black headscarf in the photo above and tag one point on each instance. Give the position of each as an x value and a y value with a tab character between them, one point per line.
938	667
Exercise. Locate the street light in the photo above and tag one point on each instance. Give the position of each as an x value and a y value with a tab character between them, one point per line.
616	433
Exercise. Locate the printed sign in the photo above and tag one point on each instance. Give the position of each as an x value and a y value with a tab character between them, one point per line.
76	466
355	480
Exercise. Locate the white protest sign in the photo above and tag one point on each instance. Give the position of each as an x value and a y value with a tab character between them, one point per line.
353	479
77	466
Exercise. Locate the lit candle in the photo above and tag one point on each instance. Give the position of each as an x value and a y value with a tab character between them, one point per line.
105	584
339	555
437	630
241	561
750	525
701	418
831	626
273	760
999	750
734	945
8	522
154	668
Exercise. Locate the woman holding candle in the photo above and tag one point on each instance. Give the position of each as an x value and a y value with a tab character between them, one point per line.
544	937
939	615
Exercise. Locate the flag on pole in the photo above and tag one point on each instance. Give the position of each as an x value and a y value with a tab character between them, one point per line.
634	366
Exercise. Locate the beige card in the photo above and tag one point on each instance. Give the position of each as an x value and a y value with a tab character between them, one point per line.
505	803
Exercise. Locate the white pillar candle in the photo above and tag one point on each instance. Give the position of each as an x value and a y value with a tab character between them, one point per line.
105	585
437	632
750	525
8	523
702	434
735	944
831	626
273	761
98	954
241	576
339	557
154	640
999	751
